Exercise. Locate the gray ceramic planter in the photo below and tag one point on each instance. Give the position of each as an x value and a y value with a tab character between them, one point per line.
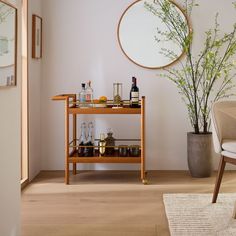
199	155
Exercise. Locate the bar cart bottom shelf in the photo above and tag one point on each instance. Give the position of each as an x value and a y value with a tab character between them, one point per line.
75	158
107	159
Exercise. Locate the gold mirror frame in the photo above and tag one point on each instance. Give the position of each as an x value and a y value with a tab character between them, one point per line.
14	79
125	53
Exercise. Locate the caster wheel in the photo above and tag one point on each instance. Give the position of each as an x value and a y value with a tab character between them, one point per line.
145	182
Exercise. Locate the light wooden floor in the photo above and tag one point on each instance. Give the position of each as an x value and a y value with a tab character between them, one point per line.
110	203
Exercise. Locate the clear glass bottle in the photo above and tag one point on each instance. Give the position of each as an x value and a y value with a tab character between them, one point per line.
102	145
89	149
110	143
82	96
82	140
89	94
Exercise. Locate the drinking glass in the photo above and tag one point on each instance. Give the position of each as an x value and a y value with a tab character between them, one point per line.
117	94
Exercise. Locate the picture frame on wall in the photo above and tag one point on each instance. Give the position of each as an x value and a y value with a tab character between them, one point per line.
37	24
8	44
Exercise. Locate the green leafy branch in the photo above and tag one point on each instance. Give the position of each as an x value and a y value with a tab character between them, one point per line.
201	79
5	12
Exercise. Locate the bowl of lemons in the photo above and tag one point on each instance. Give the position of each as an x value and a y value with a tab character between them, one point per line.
101	102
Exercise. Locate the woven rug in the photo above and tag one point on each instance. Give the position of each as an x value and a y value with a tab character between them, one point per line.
195	215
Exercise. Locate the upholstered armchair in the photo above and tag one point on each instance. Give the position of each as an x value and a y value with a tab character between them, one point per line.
224	137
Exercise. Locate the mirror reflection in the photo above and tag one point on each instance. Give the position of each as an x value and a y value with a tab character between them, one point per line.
141	34
7	45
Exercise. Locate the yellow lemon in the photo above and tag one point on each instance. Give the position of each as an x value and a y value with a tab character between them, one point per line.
103	99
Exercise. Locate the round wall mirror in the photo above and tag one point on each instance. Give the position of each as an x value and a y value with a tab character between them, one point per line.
139	35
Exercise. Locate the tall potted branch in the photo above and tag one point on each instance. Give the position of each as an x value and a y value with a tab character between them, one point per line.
201	79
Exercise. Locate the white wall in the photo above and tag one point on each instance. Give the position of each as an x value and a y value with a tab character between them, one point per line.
80	44
34	80
10	150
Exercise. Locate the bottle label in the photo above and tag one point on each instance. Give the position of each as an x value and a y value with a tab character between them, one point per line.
134	96
82	99
88	98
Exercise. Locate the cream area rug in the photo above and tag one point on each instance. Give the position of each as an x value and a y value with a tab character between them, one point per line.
195	215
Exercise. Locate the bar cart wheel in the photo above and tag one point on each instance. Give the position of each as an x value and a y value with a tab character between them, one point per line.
145	181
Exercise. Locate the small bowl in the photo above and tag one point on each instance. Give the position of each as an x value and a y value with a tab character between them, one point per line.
101	105
134	150
123	150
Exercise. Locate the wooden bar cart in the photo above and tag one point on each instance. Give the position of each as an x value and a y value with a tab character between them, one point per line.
71	146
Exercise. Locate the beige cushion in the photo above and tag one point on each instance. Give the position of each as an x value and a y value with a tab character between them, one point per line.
228	154
229	145
224	125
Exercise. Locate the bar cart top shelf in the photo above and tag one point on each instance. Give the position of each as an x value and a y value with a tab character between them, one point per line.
73	109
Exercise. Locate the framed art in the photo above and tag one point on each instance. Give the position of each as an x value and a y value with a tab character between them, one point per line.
8	44
37	24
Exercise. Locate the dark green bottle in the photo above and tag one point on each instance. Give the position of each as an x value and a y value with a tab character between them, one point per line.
134	94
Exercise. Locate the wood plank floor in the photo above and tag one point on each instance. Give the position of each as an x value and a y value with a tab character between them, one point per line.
106	203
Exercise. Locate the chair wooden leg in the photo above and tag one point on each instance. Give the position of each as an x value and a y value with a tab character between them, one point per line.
218	179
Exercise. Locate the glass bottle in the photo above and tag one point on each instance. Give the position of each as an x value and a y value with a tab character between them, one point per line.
82	96
82	140
110	143
117	94
89	94
102	145
134	94
89	149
